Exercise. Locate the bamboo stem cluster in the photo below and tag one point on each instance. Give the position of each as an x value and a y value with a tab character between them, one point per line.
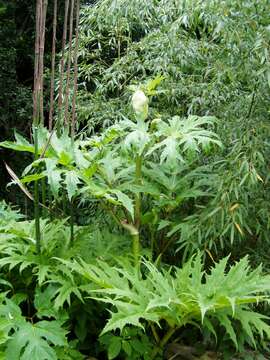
53	66
72	9
65	104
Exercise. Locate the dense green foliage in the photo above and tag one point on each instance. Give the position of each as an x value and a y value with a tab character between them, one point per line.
151	211
215	59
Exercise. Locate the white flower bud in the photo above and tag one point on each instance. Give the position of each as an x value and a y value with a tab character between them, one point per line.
140	104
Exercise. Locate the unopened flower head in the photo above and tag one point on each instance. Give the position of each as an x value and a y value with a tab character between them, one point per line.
140	104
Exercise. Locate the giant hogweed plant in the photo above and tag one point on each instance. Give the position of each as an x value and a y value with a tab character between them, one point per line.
141	171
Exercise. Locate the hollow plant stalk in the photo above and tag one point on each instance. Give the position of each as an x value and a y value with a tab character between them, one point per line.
71	222
137	215
163	342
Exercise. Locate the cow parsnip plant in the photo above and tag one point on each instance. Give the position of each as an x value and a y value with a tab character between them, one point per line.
140	171
124	167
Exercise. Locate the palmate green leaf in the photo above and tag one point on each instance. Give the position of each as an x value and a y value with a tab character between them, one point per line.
32	341
137	137
97	190
187	295
127	348
64	294
5	327
79	157
71	181
27	340
13	259
5	283
170	151
17	147
54	176
181	135
125	318
64	288
10	318
110	166
136	141
21	144
21	256
44	302
227	324
111	195
63	148
42	272
146	187
124	200
253	323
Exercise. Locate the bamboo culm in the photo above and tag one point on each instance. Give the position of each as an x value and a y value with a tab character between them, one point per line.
62	66
42	24
53	67
73	120
66	114
36	70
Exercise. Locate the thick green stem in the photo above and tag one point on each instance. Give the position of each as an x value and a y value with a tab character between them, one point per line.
43	192
71	205
152	241
135	233
136	247
135	241
163	342
50	199
138	179
157	339
71	223
64	203
36	197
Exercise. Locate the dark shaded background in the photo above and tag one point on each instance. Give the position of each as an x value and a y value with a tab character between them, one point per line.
17	36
